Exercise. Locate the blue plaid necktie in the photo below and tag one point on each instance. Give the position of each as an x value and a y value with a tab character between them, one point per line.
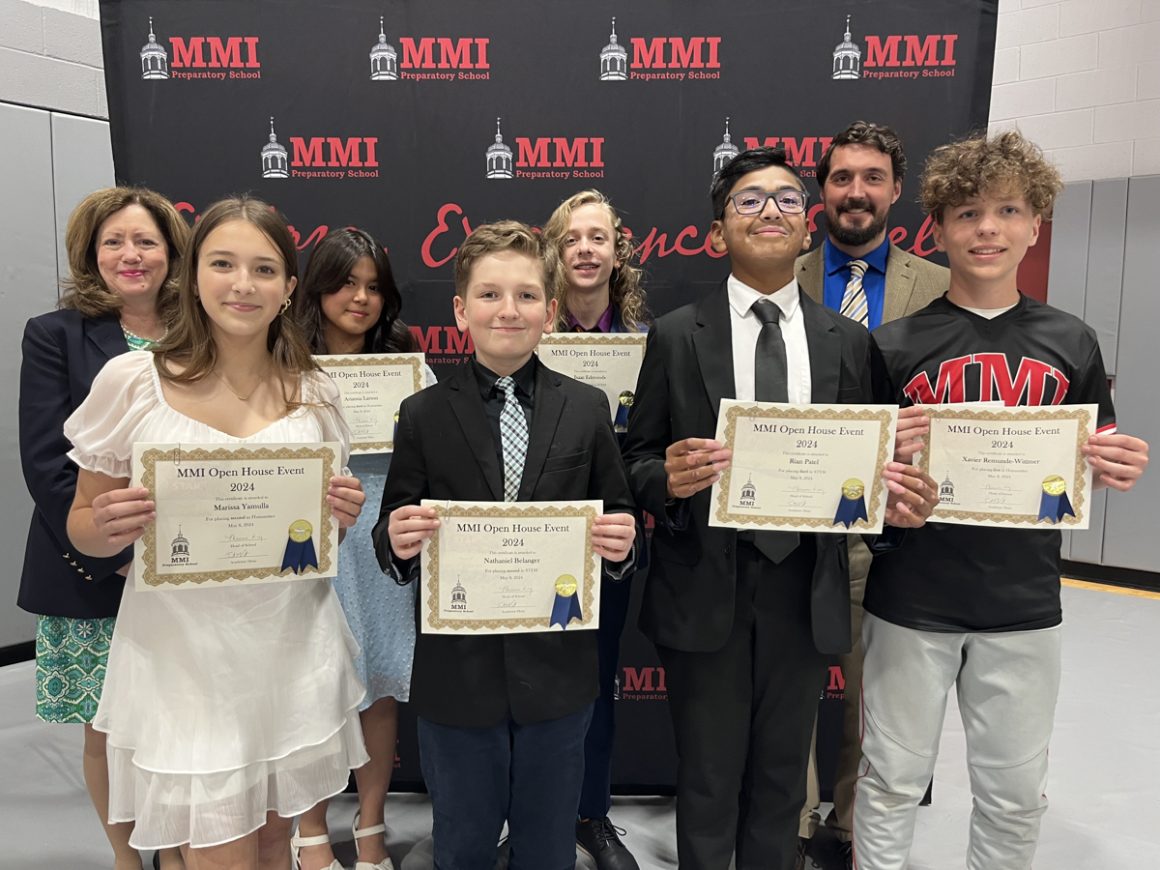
854	304
513	436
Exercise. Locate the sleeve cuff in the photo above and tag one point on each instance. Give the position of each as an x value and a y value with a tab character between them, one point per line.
403	571
617	571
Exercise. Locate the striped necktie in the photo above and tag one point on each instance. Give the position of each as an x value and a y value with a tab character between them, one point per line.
854	304
513	436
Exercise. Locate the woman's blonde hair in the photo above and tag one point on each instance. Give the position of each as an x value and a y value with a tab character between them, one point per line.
624	287
84	288
190	341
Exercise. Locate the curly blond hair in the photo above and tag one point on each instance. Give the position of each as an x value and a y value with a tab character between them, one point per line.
971	167
624	289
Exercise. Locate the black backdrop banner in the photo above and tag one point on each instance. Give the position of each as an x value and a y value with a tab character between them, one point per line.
418	121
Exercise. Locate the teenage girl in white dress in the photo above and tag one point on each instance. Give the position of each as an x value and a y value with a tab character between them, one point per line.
228	710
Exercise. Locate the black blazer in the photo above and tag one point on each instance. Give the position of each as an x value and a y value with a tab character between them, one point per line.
61	353
688	368
444	449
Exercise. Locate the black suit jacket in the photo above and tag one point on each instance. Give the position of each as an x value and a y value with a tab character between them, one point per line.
444	449
62	352
688	368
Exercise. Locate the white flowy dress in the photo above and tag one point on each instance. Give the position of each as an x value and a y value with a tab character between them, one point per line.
220	704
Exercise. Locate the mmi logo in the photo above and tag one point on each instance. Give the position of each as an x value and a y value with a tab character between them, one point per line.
201	57
680	58
320	157
546	157
895	56
430	58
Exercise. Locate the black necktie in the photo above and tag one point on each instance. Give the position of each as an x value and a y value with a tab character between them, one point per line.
771	380
771	384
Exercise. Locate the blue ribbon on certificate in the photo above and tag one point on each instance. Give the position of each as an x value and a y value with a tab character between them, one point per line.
299	553
852	505
566	607
1054	504
623	407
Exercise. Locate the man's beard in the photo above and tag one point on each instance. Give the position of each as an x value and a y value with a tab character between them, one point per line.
855	236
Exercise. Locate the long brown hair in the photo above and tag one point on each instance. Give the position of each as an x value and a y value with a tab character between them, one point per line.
190	341
84	288
329	266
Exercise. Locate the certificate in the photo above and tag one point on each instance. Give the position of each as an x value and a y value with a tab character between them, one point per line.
230	514
1014	468
610	361
506	568
372	387
810	468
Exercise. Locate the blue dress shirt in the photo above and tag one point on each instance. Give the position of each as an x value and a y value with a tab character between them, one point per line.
837	264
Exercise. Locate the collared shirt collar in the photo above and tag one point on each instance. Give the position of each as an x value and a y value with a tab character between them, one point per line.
524	376
837	259
742	297
604	324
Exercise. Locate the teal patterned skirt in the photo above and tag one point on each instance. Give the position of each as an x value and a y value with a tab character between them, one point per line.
71	655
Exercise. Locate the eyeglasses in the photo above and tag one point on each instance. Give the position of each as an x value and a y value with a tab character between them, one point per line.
789	200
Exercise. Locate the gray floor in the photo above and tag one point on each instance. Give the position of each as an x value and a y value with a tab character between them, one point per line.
1104	789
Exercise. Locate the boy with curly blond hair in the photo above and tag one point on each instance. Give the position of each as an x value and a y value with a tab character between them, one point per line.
972	608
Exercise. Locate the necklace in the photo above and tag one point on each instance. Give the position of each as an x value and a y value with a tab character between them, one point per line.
235	393
140	342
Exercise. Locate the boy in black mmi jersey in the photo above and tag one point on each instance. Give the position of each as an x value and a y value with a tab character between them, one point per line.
969	607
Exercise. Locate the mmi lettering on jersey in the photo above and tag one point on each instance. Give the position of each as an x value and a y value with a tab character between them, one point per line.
989	376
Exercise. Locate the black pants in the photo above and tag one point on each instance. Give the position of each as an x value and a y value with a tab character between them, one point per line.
526	775
743	716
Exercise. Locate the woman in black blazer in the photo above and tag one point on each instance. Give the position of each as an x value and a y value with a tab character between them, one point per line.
124	245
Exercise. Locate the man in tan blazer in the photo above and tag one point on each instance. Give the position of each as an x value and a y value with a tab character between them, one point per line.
858	272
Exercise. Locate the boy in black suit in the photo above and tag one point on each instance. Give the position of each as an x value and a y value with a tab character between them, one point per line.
502	718
743	622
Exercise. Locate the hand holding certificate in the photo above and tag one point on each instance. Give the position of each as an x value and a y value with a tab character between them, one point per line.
812	468
1010	467
230	514
372	387
503	568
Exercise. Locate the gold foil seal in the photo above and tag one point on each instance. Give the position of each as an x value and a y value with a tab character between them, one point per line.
853	488
566	585
300	531
1054	485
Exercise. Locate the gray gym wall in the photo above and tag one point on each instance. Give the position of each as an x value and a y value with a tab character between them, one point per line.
48	162
1103	241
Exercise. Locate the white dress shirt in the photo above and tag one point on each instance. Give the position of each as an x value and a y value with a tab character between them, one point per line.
745	328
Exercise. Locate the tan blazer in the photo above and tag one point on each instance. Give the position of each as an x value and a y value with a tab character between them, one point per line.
912	283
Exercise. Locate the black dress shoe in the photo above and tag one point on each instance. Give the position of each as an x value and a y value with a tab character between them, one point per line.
598	839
